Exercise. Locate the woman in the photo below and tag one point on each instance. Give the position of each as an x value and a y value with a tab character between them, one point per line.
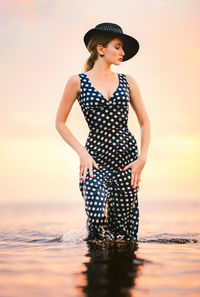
110	166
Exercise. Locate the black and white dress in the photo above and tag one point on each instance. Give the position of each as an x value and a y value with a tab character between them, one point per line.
111	204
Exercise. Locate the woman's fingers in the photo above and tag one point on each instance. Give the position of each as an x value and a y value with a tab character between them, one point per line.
96	166
135	179
91	171
80	172
85	173
84	169
135	184
132	179
125	168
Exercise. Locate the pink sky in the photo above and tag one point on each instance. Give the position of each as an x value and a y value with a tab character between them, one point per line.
42	45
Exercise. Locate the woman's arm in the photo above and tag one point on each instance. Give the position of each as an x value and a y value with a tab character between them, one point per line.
70	94
137	104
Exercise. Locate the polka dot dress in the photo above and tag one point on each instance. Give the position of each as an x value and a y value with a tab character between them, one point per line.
111	204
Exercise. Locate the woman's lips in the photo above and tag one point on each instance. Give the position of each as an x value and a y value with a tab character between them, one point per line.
120	59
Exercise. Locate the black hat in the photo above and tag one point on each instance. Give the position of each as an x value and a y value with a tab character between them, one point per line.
130	44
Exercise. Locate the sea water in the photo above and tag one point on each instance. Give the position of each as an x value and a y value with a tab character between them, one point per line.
43	252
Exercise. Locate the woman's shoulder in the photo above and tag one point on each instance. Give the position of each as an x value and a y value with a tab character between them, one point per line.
74	82
130	79
75	78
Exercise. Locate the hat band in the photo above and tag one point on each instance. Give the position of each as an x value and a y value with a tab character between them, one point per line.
109	28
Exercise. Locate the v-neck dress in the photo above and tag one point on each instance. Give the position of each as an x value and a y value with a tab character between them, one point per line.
111	204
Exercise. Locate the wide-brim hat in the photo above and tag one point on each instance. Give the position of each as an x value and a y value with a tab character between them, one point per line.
130	44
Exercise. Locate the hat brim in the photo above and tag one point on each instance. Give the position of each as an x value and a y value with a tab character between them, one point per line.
130	44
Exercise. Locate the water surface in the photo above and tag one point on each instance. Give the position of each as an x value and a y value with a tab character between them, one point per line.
43	253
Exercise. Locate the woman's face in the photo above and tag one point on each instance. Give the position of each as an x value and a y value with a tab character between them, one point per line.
114	51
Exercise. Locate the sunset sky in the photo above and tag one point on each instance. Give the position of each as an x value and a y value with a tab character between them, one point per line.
42	46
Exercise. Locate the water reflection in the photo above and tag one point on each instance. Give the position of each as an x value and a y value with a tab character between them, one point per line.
112	268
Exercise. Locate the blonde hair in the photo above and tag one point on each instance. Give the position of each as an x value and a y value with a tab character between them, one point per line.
102	38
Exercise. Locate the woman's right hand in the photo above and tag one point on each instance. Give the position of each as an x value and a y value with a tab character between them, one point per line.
86	162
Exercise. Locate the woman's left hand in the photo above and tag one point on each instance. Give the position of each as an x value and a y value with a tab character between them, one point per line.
136	170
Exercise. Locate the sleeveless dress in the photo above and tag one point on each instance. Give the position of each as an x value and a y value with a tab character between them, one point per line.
111	204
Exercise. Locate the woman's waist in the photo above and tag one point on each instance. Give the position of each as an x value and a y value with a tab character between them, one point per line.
112	138
108	130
